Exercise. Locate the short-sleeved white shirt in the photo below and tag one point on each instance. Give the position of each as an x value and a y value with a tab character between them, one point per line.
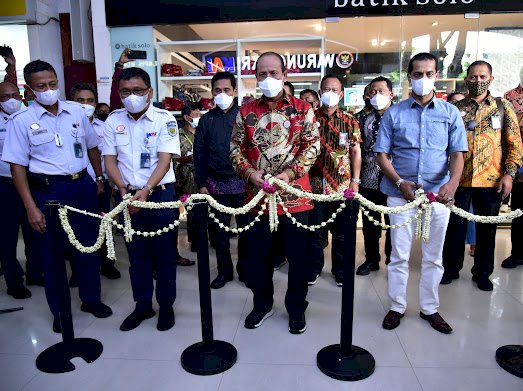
5	170
98	127
124	137
31	139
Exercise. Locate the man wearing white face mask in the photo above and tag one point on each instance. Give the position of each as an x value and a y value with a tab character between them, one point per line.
215	174
85	94
49	146
276	134
420	134
380	93
140	142
336	169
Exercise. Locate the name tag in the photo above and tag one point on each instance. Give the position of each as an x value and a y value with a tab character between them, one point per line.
2	130
496	121
344	139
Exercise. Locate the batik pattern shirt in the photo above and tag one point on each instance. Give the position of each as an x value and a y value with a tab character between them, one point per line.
494	144
515	97
283	139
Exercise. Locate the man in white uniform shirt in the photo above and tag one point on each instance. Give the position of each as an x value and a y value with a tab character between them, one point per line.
85	94
140	142
49	146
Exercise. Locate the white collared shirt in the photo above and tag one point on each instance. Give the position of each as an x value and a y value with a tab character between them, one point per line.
34	135
98	127
155	131
5	169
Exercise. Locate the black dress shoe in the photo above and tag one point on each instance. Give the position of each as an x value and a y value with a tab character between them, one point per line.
392	320
511	262
109	270
99	309
448	278
34	281
220	281
135	318
165	319
19	293
484	284
366	267
437	322
57	327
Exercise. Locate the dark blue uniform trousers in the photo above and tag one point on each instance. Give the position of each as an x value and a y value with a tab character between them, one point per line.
158	251
81	194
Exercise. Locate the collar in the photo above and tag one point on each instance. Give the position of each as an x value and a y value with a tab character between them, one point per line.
323	114
488	100
149	113
413	103
285	97
40	110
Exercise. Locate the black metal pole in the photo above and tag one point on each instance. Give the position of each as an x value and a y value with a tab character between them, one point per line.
344	361
57	358
209	356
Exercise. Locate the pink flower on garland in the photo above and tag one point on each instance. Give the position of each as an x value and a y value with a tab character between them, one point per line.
431	197
349	194
184	197
268	188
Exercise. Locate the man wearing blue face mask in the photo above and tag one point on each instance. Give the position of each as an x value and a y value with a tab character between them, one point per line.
215	174
49	146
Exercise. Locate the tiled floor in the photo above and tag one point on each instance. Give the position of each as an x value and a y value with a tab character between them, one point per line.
412	357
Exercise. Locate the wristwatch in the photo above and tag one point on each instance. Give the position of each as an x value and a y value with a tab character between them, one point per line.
511	173
399	182
118	65
99	178
356	180
148	186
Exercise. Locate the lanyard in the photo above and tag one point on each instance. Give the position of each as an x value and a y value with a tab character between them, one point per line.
188	139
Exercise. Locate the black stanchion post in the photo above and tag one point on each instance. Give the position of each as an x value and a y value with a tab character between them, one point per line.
344	361
510	358
209	356
57	358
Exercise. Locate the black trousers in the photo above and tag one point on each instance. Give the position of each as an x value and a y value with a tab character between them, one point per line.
259	267
516	230
486	201
371	232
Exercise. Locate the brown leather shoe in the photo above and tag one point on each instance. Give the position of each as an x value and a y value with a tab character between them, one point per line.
437	322
392	320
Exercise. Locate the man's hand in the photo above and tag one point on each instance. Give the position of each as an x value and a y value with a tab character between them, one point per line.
284	177
36	219
408	189
123	57
446	193
100	188
203	190
141	195
505	186
354	186
10	58
256	178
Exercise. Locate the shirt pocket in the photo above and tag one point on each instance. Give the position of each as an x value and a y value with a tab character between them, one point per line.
406	134
44	143
121	139
438	134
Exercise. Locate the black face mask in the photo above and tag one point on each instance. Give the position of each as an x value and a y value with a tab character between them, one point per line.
368	105
102	116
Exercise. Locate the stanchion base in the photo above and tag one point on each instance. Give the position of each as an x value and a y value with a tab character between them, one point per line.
357	366
209	359
510	358
57	359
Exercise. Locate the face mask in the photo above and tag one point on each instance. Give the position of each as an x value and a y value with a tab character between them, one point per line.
423	86
223	101
11	106
89	110
195	122
134	103
379	101
271	87
102	116
330	99
477	88
47	98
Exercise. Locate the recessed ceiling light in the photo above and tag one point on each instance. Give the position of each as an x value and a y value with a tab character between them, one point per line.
374	42
434	24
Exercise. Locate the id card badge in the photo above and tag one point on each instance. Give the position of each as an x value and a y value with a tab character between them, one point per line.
145	160
496	122
344	139
78	151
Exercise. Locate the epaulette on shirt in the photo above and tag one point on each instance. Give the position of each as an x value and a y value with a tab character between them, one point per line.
116	111
22	110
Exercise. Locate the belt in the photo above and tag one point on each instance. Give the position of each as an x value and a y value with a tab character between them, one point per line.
62	178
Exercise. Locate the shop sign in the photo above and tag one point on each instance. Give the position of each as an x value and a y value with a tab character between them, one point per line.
303	62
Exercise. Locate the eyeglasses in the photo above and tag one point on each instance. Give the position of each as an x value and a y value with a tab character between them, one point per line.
136	91
6	97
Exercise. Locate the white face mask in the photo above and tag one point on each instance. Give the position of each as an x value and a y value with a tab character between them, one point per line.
379	101
89	110
195	122
423	86
223	101
330	99
11	106
270	87
47	98
134	103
